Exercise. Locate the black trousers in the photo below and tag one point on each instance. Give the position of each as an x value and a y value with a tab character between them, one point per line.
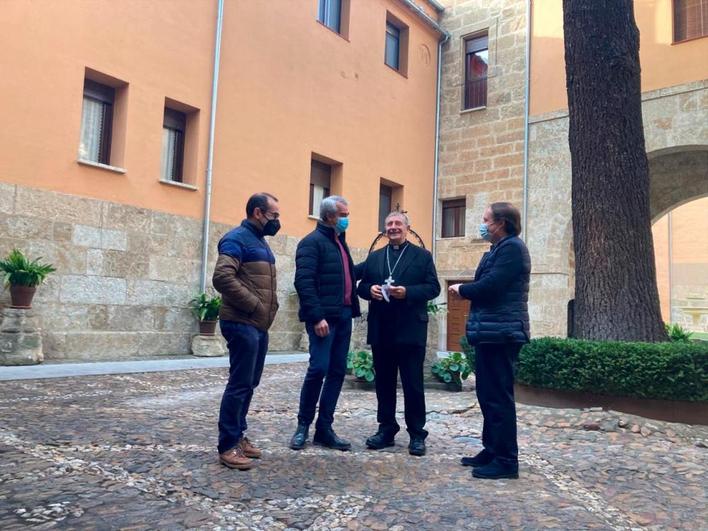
494	375
389	359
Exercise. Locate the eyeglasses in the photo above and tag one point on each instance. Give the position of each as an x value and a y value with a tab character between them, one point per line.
276	215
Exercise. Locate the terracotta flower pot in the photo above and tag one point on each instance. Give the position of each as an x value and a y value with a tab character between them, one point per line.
21	296
207	328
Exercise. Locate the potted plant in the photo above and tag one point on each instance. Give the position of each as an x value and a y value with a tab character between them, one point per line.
23	276
361	365
206	309
452	370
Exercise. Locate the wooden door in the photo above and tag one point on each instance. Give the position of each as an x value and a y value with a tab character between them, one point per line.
458	309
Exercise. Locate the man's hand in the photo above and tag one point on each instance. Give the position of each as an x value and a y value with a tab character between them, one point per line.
376	292
322	328
455	288
397	292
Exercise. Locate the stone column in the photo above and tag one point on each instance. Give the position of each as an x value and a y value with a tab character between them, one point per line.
20	338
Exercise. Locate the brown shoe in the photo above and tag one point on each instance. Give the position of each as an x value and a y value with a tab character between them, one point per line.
234	458
249	450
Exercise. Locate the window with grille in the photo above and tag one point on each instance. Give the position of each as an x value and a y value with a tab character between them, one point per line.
476	67
173	132
690	19
385	205
453	218
96	122
320	185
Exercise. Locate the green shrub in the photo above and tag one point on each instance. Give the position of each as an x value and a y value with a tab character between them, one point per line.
677	333
20	271
452	369
669	371
205	308
361	365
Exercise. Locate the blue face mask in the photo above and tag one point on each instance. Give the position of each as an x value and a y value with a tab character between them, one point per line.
484	231
342	224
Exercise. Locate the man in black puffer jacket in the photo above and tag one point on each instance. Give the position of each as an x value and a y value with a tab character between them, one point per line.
498	326
325	281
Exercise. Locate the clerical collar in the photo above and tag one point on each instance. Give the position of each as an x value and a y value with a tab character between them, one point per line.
398	247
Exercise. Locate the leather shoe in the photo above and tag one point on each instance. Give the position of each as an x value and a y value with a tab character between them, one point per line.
482	458
416	447
496	470
298	440
329	439
380	440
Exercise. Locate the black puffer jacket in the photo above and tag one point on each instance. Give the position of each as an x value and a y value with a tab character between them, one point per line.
499	295
319	276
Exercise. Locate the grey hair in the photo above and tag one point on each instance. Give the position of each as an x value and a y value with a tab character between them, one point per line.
399	214
329	205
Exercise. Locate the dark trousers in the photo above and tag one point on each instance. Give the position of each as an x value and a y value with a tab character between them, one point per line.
494	377
328	364
389	359
247	352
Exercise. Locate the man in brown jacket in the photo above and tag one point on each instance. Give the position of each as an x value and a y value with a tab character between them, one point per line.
245	277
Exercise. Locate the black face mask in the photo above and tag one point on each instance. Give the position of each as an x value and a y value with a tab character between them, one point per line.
271	227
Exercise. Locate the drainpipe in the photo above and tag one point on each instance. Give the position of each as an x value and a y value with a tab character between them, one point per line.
210	158
527	90
436	171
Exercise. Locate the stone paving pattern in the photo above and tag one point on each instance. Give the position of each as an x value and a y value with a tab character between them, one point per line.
137	452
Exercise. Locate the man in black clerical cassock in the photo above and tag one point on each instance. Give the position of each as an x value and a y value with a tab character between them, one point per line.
399	280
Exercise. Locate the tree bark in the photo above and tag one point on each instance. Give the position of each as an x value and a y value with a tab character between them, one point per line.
616	295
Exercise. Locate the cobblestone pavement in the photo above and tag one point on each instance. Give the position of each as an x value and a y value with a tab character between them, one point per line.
137	452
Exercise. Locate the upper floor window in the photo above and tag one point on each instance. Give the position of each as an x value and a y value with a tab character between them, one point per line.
330	14
690	19
173	133
393	44
385	204
476	65
96	122
453	218
320	184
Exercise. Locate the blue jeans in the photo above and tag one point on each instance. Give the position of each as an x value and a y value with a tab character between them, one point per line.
247	352
328	363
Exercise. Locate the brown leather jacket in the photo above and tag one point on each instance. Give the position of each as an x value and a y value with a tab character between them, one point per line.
245	276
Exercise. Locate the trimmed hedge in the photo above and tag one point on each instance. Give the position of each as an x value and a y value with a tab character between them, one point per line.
667	371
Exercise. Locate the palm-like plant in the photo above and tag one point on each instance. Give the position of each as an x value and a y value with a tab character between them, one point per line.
20	271
205	307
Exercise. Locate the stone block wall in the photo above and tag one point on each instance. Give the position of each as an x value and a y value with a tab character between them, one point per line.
125	275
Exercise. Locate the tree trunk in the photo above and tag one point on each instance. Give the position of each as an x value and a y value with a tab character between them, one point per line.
616	296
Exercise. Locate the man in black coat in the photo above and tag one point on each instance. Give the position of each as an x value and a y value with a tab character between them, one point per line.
325	281
399	280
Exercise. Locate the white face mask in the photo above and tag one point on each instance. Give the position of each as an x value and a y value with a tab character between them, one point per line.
484	231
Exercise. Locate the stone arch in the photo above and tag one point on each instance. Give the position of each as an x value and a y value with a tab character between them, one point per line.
677	175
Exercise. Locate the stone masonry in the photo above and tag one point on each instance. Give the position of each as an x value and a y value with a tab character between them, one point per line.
125	275
481	150
676	134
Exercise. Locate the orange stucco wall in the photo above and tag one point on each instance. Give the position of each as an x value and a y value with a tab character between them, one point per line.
289	87
663	63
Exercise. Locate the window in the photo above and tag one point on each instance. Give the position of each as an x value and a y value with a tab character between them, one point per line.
320	185
393	41
476	64
173	133
690	19
330	14
453	218
385	204
96	122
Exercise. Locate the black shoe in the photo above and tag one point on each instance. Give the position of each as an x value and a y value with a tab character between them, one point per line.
496	470
416	447
329	439
482	458
380	440
297	442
